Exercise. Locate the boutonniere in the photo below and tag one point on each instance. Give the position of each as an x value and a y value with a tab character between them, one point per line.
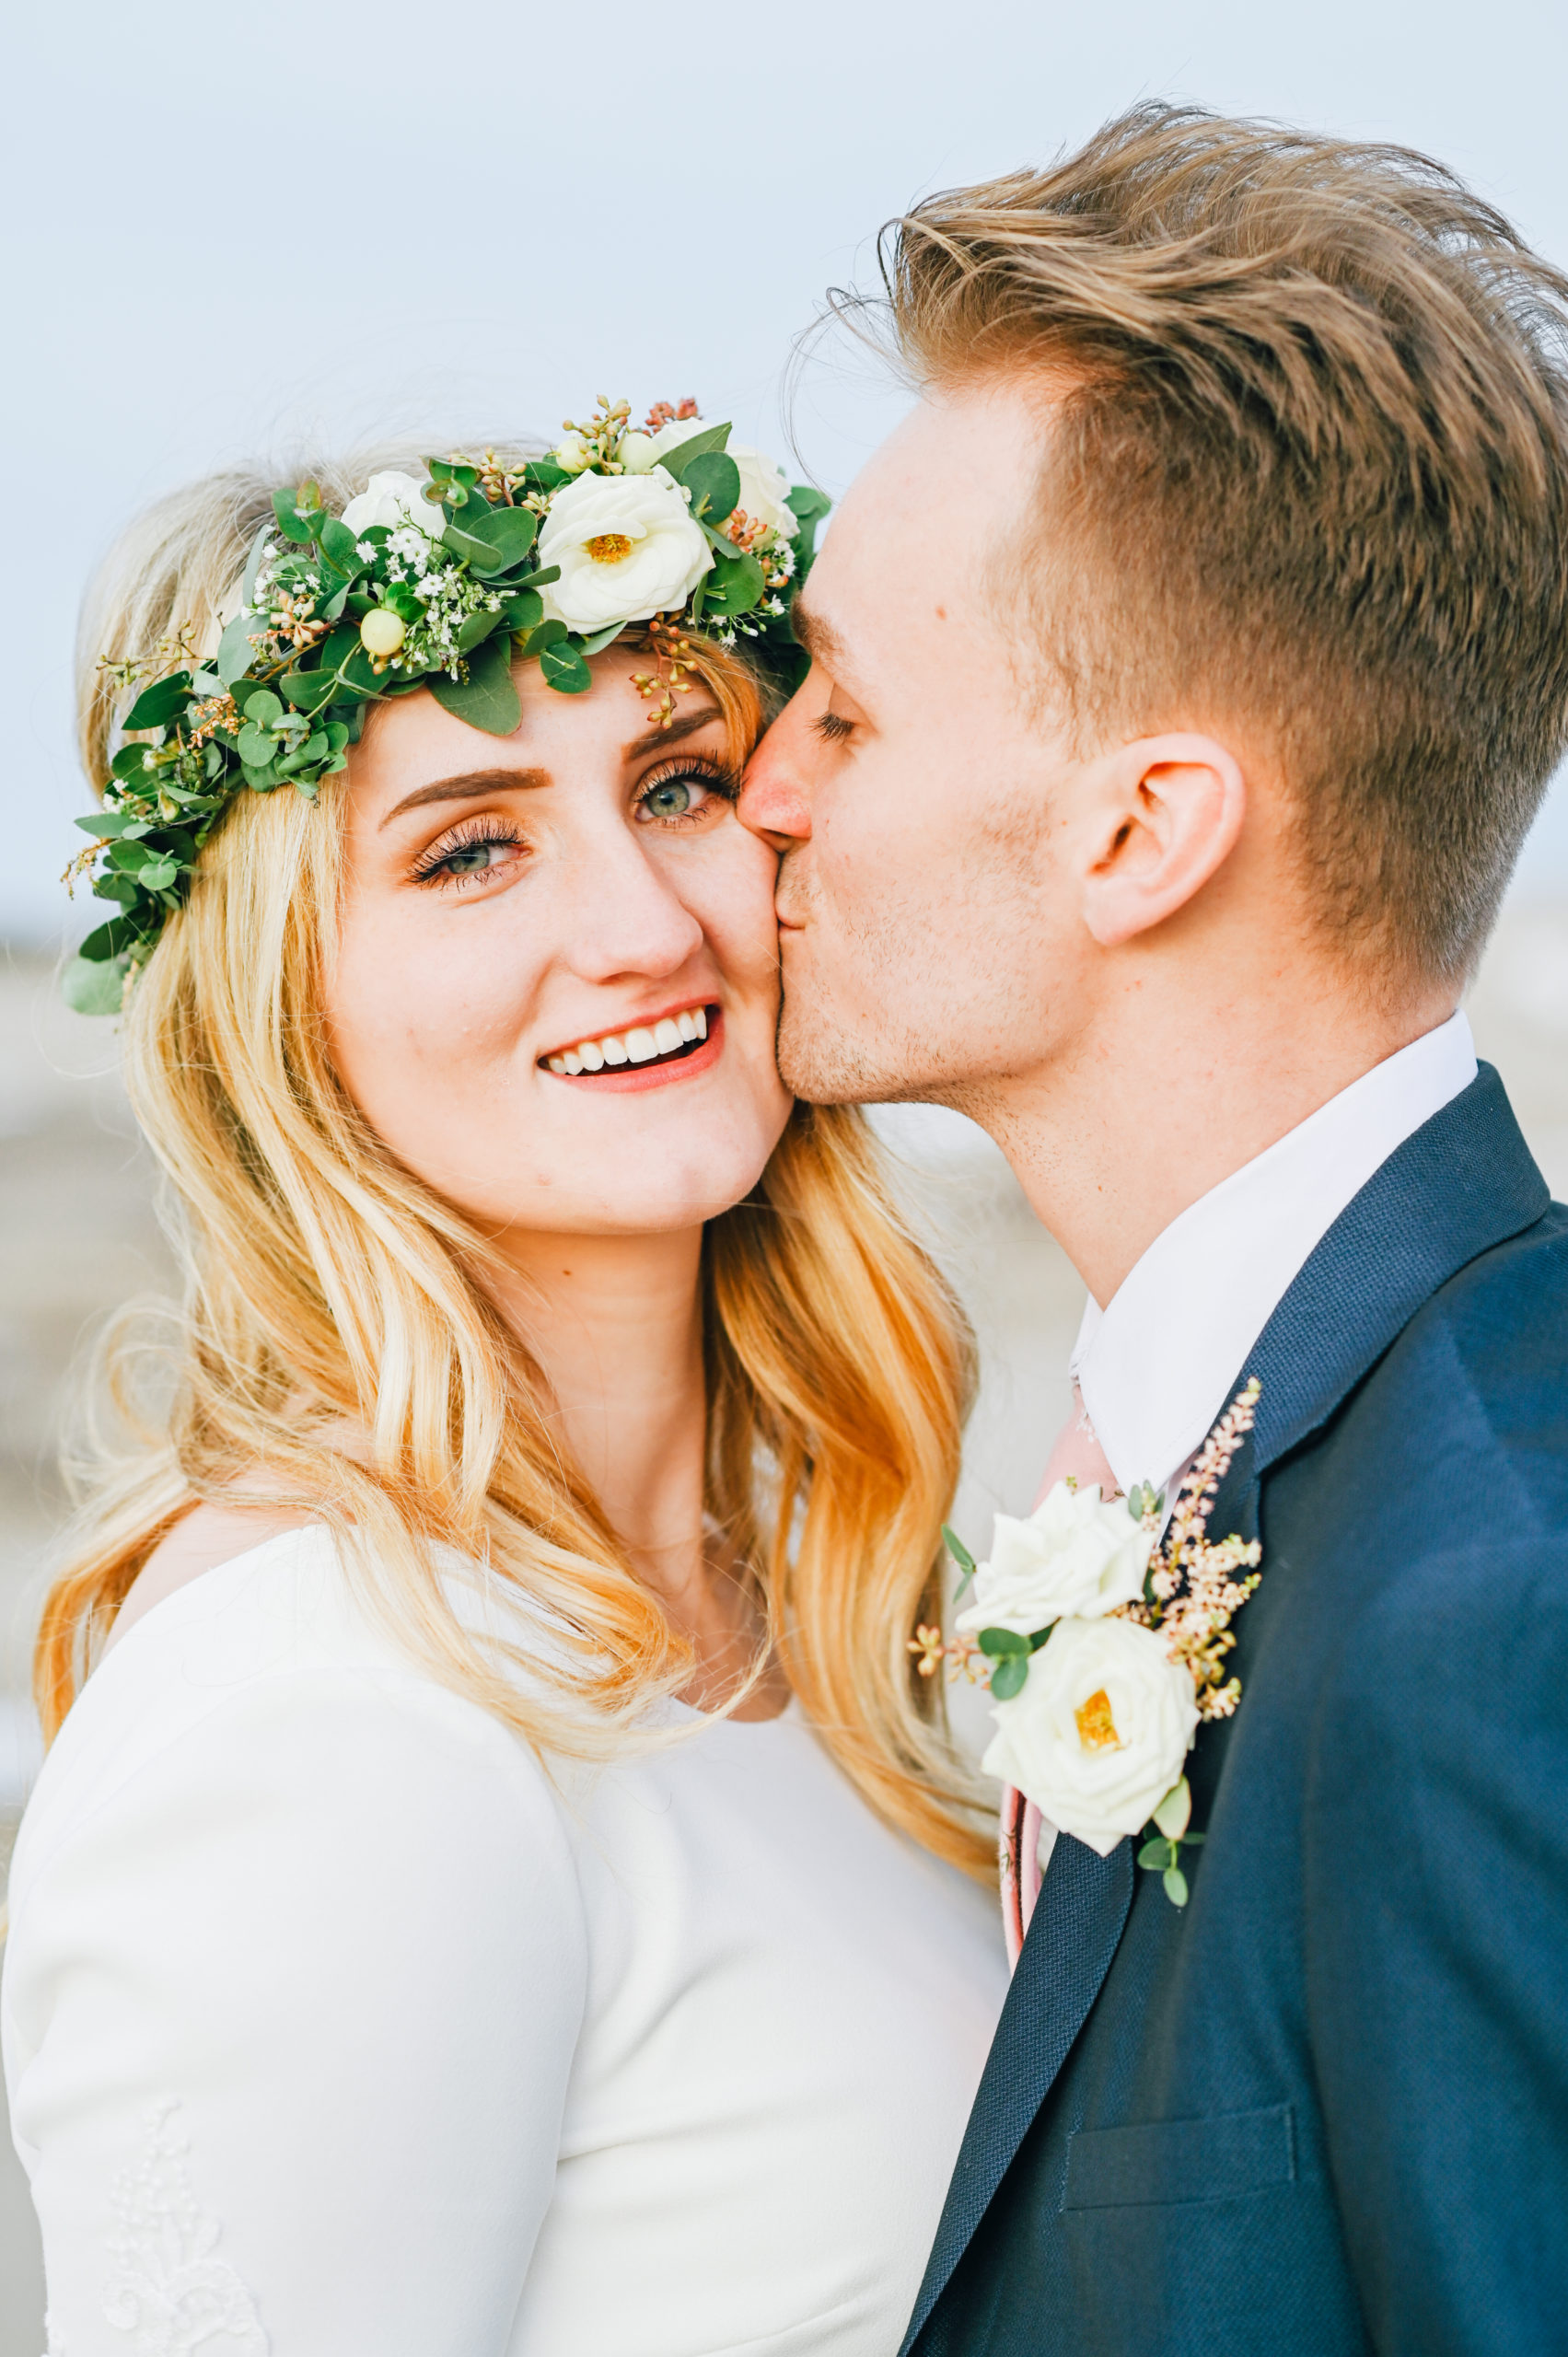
1104	1649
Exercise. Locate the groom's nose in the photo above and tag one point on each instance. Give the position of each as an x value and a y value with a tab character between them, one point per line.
773	804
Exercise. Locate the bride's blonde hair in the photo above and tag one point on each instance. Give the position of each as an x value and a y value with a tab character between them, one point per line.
326	1290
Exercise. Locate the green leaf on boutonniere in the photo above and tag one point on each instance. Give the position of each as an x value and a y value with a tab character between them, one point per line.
962	1557
1009	1677
1157	1854
1175	1885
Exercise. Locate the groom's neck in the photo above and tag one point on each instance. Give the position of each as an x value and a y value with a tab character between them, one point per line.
1167	1091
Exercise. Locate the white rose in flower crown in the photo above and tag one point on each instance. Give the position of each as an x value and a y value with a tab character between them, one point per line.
1073	1554
1097	1735
765	487
393	498
626	546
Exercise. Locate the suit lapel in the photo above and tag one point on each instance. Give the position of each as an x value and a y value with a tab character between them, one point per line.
1461	1183
1077	1923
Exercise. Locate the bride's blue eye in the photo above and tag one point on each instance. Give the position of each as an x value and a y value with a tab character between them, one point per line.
671	801
467	857
682	793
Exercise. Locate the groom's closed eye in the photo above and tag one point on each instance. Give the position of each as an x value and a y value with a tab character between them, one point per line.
833	727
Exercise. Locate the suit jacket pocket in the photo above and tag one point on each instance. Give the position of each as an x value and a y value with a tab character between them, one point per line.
1217	2159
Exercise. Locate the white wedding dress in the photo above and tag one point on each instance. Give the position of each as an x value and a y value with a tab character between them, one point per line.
335	2028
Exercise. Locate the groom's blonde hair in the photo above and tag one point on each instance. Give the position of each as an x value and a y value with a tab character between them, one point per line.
338	1347
1307	473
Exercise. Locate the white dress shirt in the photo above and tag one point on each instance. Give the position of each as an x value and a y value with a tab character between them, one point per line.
1155	1366
335	2022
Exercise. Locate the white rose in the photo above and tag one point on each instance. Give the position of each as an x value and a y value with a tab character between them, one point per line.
1072	1555
1097	1735
626	546
393	498
765	487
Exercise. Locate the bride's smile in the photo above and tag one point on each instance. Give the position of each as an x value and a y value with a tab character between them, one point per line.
561	960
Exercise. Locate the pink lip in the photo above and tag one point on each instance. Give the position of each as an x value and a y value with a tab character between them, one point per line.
631	1080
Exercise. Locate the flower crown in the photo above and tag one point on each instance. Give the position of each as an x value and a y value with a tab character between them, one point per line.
437	583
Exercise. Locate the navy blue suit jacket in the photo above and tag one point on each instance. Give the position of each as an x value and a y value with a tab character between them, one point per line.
1325	2108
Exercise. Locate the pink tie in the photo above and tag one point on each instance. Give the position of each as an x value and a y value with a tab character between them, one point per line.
1077	1453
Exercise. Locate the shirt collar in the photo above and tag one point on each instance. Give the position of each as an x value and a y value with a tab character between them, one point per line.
1155	1364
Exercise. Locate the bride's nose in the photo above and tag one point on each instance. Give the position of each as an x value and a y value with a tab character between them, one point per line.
624	915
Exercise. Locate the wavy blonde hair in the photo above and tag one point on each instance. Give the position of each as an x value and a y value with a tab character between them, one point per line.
327	1290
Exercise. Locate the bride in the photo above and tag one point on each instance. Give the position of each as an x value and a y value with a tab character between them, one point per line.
497	1883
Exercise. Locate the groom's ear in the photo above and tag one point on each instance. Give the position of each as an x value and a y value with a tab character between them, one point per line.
1164	816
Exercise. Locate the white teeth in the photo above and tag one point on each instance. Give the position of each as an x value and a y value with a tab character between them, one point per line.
639	1046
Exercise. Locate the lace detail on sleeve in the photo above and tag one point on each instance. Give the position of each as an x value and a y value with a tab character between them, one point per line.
172	2295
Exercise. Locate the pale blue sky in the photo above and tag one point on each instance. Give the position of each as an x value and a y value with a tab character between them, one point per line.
242	229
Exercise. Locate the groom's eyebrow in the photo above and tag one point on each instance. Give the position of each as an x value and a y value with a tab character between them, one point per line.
821	640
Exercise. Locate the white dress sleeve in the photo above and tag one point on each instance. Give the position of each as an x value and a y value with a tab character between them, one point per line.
290	2011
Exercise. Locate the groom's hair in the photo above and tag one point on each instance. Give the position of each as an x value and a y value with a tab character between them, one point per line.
1309	474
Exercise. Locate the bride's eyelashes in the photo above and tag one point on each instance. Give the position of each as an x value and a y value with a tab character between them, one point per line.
833	727
474	852
684	792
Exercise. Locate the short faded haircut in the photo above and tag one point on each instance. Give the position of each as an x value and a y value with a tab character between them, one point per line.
1310	476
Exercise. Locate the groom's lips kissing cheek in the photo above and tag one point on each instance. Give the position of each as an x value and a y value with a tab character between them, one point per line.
650	1052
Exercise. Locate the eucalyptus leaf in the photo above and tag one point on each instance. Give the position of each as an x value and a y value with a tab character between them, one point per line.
111	886
505	534
253	563
524	612
545	635
289	524
1008	1678
132	762
487	699
958	1550
1175	1885
476	628
255	746
95	986
261	707
236	653
160	703
998	1642
118	935
714	481
698	446
158	875
600	639
566	669
342	546
734	586
807	507
309	691
1157	1854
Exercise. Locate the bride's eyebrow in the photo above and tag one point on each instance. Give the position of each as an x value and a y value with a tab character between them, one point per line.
464	787
687	725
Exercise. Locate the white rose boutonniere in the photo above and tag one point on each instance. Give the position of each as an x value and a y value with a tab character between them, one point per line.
1073	1554
393	498
1098	1734
1104	1647
627	548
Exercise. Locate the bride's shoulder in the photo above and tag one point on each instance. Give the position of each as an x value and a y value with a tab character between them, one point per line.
263	1687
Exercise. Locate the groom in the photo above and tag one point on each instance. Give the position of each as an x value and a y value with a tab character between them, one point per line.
1186	672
